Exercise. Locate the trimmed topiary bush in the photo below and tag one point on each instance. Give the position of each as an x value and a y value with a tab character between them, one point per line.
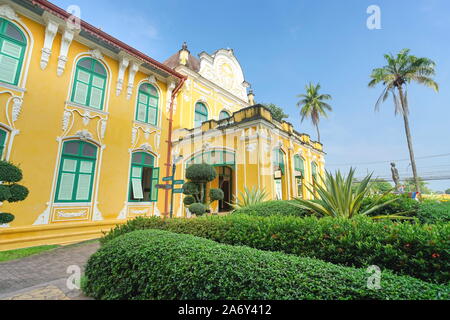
201	173
198	209
10	191
188	200
272	208
157	265
216	194
6	218
417	250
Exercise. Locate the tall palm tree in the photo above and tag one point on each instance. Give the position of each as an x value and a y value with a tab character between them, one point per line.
313	106
399	72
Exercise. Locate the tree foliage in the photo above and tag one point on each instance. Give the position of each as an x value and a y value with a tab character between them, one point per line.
277	112
10	191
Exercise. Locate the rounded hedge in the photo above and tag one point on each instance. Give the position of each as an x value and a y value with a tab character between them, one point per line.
9	172
6	218
273	208
416	250
188	200
201	173
216	194
198	209
18	193
157	265
191	188
5	193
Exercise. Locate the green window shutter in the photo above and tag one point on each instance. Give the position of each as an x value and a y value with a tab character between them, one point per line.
81	92
147	106
8	69
155	181
11	49
67	182
77	169
90	83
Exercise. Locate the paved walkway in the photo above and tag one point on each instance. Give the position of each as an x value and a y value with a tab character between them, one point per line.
44	276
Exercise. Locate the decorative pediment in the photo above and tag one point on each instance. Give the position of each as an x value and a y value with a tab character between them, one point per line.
84	135
223	69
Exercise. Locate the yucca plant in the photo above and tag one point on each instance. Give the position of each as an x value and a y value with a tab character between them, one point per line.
249	198
338	198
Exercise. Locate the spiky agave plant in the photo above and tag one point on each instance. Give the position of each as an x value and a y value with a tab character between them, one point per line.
338	198
249	197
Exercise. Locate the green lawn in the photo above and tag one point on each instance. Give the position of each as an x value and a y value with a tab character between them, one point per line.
22	253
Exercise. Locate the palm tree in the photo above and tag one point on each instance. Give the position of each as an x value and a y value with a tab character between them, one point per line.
400	71
313	106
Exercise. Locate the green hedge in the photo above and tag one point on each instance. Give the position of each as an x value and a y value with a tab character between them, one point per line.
433	212
420	251
157	265
273	208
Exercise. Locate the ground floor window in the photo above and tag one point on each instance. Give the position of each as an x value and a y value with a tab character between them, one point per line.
76	172
144	178
299	183
279	189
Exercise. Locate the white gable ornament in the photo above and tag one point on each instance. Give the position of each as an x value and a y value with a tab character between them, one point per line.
96	54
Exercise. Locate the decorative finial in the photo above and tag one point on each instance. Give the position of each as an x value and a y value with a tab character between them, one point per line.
184	46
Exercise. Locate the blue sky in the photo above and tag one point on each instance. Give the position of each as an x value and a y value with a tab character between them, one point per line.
283	45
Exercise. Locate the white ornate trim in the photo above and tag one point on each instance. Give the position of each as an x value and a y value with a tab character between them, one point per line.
96	54
84	135
66	41
97	216
123	213
7	12
50	33
44	218
123	65
66	120
170	89
131	75
16	108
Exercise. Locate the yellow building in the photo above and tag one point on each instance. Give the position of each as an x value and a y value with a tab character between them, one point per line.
95	125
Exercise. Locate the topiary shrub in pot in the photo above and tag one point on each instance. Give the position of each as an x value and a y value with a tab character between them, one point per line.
10	191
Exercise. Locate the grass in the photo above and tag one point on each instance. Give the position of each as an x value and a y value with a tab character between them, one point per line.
22	253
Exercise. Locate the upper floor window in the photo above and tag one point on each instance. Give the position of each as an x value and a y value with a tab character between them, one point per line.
278	160
76	172
299	165
89	85
201	114
12	52
147	106
3	136
224	115
144	178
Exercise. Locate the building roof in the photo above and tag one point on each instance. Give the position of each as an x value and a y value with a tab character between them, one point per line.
174	61
108	39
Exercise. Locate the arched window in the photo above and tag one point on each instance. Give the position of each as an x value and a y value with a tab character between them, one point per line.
89	85
76	172
147	107
224	115
201	114
12	52
299	167
278	160
3	136
144	178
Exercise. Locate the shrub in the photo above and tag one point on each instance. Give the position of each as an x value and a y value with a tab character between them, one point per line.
188	200
249	198
6	218
10	191
433	212
201	173
157	265
198	209
417	250
272	208
403	204
216	194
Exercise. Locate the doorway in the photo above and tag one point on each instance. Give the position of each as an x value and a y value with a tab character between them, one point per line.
226	185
